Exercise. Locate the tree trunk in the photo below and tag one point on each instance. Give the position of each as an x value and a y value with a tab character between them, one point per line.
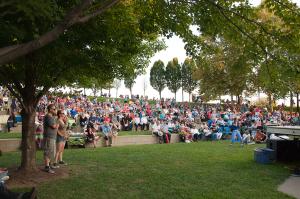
84	91
116	93
101	92
270	101
182	95
175	96
95	92
28	146
130	92
109	92
189	96
159	95
291	102
298	109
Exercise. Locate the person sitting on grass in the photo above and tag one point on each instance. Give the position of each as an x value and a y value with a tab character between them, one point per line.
107	132
91	136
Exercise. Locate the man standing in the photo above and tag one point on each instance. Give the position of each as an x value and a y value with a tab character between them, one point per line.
50	133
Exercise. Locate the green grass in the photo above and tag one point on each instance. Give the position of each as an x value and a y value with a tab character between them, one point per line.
121	133
196	170
10	135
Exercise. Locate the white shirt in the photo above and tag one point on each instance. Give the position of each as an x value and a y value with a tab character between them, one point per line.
144	120
136	120
155	127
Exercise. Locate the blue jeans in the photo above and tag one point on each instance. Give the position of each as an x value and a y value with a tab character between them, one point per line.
234	134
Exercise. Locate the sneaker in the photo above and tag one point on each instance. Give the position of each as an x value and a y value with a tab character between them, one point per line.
49	170
54	166
62	163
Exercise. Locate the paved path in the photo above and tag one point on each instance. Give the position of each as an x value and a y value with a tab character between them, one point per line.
291	187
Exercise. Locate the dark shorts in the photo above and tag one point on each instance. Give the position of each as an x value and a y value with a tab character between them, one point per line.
60	139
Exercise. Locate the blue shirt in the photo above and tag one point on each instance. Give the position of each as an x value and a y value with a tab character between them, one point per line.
106	129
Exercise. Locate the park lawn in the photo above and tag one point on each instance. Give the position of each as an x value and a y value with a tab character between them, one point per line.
126	133
121	133
10	135
196	170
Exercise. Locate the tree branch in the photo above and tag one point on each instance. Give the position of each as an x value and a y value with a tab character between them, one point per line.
98	11
10	53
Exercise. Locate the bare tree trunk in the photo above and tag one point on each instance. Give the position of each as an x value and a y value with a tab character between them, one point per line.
116	93
101	92
189	96
182	95
109	92
175	96
159	95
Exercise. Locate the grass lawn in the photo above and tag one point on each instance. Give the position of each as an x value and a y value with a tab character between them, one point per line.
196	170
10	135
121	133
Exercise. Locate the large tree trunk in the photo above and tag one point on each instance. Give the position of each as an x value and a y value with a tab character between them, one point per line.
182	95
28	146
109	92
175	96
116	93
160	95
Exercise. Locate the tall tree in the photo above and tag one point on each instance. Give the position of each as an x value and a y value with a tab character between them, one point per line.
108	45
157	76
173	75
189	83
129	81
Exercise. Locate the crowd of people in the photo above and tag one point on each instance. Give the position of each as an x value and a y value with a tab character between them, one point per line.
57	117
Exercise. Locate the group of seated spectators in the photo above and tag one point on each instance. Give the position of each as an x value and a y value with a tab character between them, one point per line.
165	117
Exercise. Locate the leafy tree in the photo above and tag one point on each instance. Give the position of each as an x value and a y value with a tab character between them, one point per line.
59	15
157	76
188	81
112	44
173	76
129	82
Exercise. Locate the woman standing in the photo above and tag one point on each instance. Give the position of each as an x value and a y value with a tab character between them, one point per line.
61	138
236	132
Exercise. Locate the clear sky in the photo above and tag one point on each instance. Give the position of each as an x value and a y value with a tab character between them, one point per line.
175	48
